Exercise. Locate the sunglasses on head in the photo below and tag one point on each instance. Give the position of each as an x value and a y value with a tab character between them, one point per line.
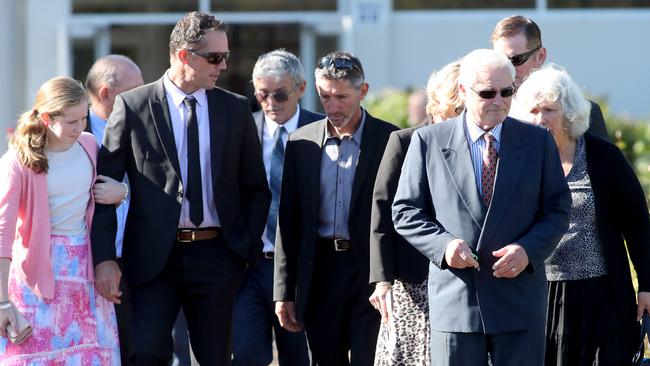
279	96
339	64
214	58
518	60
491	93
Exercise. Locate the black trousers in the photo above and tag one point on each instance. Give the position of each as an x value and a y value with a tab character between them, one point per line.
339	319
123	315
202	279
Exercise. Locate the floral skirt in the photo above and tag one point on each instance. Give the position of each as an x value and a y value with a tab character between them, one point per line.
76	326
404	340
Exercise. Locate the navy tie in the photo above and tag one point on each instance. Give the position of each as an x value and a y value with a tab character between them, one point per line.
194	193
275	182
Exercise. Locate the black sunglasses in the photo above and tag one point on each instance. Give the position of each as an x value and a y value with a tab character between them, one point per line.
338	63
518	60
279	96
214	58
491	93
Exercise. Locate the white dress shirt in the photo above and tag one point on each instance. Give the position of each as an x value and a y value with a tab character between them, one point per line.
178	114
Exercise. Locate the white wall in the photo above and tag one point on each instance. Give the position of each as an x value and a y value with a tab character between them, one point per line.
606	52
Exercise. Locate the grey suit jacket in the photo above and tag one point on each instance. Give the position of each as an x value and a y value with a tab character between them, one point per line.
297	233
437	200
139	141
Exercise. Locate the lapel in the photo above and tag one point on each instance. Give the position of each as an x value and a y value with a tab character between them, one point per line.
512	154
312	158
259	123
458	161
219	117
302	117
366	156
163	124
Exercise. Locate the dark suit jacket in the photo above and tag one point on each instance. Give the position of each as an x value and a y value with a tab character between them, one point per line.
298	213
391	256
597	122
437	200
304	117
621	213
139	141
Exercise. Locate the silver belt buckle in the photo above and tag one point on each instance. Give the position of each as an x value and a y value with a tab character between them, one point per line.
338	247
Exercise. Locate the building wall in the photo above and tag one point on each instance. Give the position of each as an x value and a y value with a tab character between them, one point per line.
606	52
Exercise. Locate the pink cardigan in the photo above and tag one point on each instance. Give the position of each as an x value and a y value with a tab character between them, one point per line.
25	219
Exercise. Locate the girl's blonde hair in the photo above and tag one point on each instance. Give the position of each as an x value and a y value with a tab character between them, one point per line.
30	138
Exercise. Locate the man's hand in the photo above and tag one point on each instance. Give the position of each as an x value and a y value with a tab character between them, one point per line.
286	312
644	304
459	256
378	299
512	261
107	281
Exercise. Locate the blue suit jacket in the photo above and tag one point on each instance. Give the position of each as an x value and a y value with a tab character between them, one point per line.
437	200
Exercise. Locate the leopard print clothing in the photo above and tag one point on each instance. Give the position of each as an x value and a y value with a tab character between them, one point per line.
404	340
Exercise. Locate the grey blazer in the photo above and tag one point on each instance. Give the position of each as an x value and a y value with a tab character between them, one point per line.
437	200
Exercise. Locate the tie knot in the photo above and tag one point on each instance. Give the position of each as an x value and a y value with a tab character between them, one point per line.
488	138
189	102
281	131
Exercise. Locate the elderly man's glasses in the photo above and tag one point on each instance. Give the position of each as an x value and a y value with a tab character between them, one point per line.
518	60
279	96
214	58
338	63
491	93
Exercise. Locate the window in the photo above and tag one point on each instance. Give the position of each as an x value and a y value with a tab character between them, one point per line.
463	4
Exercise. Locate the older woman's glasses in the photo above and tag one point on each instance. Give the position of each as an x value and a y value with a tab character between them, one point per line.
214	58
518	60
491	93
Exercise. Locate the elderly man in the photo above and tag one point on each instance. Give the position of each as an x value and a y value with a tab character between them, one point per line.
520	39
109	76
322	255
199	198
483	196
279	82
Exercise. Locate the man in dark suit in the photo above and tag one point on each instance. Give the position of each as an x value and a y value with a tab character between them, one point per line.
483	196
279	82
321	255
109	76
199	198
520	39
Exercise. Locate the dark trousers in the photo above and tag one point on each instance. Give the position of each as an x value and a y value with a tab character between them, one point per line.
123	315
254	320
339	319
525	347
201	278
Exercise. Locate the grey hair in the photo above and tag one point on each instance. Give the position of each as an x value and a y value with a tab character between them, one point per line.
278	63
355	77
109	70
550	84
191	30
480	59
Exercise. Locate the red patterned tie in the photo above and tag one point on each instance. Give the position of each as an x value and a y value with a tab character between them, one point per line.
489	168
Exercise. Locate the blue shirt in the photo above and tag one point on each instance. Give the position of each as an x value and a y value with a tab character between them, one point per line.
338	163
97	126
477	146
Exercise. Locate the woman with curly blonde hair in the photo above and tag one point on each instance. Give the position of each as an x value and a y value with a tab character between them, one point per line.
398	270
46	207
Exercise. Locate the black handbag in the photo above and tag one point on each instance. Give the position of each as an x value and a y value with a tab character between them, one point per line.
638	359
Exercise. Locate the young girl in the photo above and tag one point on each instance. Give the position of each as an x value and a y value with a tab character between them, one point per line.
46	207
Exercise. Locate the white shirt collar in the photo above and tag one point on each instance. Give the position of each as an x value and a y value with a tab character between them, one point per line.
178	96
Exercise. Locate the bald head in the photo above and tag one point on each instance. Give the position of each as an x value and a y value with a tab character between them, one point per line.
108	77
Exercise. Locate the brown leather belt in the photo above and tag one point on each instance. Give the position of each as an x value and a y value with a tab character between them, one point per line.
339	245
192	235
